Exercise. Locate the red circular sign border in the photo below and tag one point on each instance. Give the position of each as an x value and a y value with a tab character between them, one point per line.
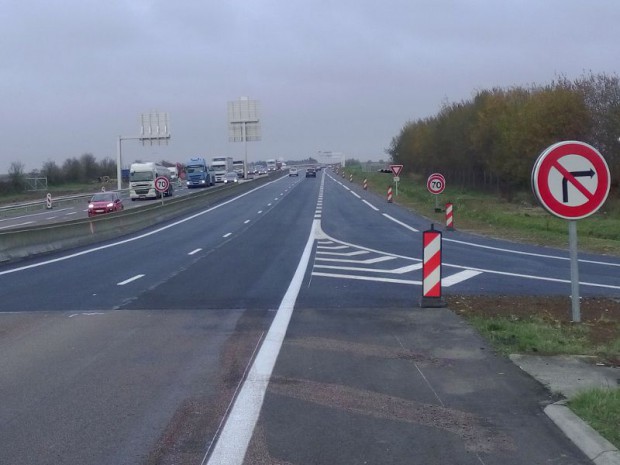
436	176
545	163
167	183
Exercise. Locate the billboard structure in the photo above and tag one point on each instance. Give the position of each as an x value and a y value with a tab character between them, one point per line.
244	124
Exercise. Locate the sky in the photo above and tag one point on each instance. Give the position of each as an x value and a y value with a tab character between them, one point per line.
339	76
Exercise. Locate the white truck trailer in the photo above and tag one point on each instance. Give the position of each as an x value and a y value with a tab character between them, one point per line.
221	166
142	180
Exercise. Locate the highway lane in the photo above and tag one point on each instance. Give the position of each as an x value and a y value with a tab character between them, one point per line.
472	264
134	351
99	372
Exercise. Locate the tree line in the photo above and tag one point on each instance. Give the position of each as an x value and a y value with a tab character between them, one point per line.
492	140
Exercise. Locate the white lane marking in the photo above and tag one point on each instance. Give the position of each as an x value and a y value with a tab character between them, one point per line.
227	235
246	221
127	281
136	238
344	254
356	195
50	218
232	444
30	215
368	278
334	247
532	254
400	223
364	262
269	205
71	213
370	205
86	314
401	270
259	212
459	277
16	225
195	251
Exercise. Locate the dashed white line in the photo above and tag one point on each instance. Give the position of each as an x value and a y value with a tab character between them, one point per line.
370	205
246	221
195	251
127	281
400	223
356	195
227	235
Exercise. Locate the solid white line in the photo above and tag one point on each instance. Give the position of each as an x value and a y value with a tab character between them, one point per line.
227	235
400	223
16	225
459	277
367	261
232	444
401	270
370	205
367	278
194	251
344	254
127	281
554	257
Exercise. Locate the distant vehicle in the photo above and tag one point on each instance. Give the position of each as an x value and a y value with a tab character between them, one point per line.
198	173
231	177
261	170
239	168
293	172
105	202
142	180
174	172
279	163
310	173
221	166
271	165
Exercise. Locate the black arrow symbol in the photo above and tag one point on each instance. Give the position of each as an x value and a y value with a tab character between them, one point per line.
576	174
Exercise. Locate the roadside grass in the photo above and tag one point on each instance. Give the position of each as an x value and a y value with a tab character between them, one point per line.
541	336
600	408
485	213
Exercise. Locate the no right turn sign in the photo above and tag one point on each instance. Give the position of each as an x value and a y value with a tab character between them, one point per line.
571	180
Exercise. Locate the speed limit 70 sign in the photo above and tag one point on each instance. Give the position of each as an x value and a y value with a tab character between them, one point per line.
436	183
162	184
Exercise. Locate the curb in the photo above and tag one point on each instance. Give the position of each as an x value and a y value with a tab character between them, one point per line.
591	443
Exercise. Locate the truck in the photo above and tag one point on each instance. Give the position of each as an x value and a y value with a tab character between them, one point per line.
271	164
221	166
239	168
198	173
142	180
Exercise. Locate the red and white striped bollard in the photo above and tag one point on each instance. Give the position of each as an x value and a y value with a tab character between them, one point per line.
431	269
365	184
390	194
449	217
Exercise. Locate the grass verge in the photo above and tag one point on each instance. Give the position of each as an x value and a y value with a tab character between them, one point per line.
600	408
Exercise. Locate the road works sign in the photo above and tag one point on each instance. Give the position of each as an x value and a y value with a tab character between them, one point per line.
571	180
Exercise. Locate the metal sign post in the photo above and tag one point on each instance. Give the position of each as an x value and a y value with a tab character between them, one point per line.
571	180
436	184
244	125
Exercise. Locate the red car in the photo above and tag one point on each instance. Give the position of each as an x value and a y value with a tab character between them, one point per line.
105	202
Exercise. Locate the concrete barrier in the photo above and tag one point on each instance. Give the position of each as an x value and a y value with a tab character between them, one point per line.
17	244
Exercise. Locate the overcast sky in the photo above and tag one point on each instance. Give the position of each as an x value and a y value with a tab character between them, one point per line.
330	75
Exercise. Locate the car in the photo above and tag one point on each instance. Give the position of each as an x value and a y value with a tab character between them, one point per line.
231	177
293	172
310	172
262	170
105	202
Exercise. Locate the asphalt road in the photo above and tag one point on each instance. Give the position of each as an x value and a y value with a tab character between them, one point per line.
134	351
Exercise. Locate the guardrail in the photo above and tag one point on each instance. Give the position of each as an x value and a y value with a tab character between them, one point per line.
36	205
31	241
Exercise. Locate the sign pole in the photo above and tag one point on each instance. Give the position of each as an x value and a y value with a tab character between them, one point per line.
574	270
